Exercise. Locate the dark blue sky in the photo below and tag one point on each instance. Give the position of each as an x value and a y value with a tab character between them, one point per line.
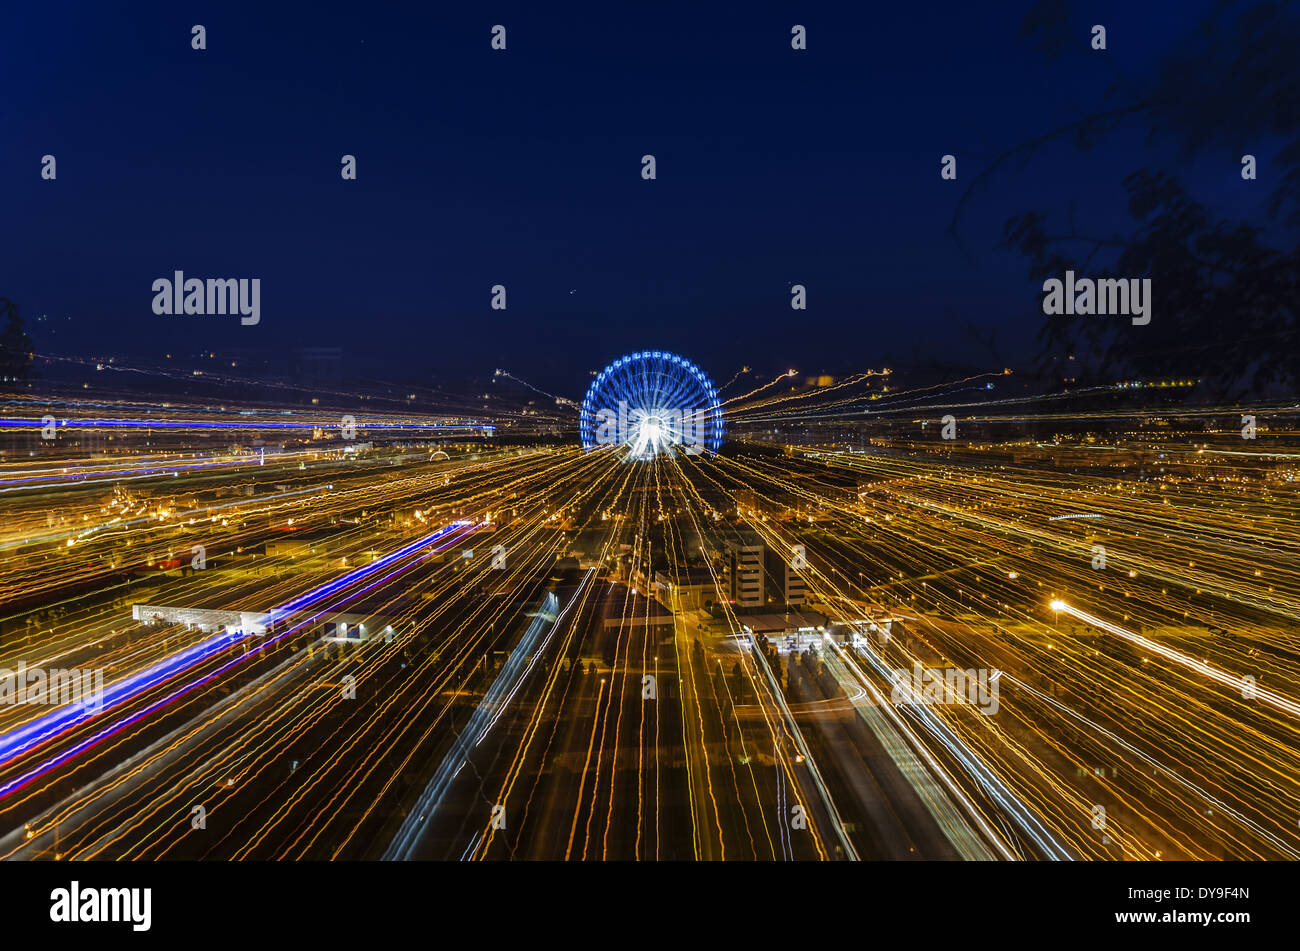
523	168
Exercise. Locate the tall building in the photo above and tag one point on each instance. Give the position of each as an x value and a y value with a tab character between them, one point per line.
745	564
786	585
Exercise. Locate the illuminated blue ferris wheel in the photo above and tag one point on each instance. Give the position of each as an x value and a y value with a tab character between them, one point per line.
652	402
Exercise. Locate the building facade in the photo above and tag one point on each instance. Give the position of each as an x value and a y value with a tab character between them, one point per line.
745	570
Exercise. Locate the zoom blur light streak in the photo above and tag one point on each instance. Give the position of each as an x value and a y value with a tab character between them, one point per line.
1229	680
46	728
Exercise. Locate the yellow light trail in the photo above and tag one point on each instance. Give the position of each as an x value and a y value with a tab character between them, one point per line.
1247	687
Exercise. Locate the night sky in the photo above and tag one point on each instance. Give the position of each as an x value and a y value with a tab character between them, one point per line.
522	167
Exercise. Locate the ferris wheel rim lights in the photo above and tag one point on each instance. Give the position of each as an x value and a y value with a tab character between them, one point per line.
672	402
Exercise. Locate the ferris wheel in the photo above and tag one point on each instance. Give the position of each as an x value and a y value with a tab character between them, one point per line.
652	402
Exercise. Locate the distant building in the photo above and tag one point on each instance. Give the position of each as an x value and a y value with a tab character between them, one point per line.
588	546
318	366
623	609
685	588
328	625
